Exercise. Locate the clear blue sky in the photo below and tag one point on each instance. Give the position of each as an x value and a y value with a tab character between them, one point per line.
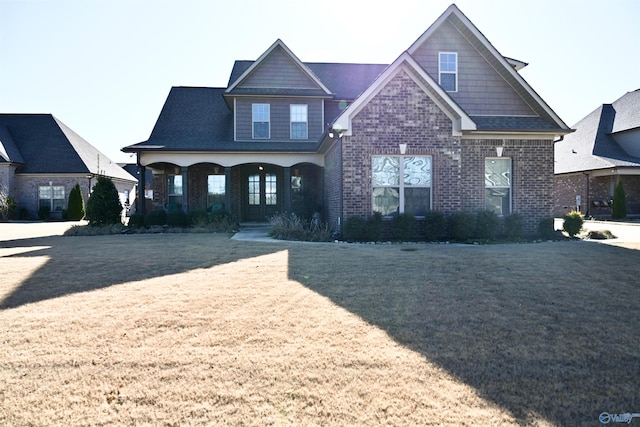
105	67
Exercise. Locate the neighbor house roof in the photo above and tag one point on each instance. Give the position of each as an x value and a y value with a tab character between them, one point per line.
42	144
593	145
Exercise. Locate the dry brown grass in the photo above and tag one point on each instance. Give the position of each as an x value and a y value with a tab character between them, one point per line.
196	329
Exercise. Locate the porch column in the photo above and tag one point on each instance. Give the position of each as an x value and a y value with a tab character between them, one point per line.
142	183
227	188
185	188
286	186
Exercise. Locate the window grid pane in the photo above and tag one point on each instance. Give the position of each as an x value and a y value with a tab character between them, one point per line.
412	194
497	179
271	197
261	118
448	70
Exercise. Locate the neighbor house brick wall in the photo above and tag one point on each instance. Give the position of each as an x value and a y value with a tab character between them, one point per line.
567	187
401	113
333	186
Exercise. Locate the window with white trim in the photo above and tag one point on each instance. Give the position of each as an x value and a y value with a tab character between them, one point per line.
261	119
216	187
51	197
174	191
299	127
497	184
401	184
448	71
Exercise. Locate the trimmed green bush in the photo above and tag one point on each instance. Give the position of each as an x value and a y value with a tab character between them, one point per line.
513	225
44	212
355	229
155	217
177	218
546	229
435	226
136	220
75	207
462	226
573	222
403	227
619	206
374	227
486	225
103	207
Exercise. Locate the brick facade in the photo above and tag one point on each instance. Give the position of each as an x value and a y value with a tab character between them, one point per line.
403	113
601	189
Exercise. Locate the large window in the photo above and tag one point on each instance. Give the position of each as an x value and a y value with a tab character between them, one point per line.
497	183
261	117
448	71
299	121
52	197
215	192
174	192
401	184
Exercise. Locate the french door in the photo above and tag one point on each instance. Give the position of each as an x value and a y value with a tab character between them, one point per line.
261	192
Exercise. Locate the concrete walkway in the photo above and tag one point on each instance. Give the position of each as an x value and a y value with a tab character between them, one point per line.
254	232
627	233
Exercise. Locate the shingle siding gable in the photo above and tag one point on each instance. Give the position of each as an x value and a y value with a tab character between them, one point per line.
481	90
278	70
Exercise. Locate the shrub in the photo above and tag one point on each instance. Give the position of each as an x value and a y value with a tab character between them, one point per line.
289	226
435	226
573	223
513	225
199	218
403	227
374	227
177	218
75	207
546	229
461	225
44	212
355	229
619	206
103	207
7	206
486	225
136	220
155	217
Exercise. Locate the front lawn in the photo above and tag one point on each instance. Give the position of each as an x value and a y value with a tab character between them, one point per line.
197	329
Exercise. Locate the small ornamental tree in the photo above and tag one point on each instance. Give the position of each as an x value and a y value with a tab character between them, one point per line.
103	207
619	206
572	223
75	208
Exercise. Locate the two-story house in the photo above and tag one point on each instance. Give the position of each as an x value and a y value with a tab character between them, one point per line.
450	125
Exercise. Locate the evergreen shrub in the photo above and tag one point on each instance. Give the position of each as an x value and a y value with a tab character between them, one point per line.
374	227
462	225
435	226
403	227
75	207
104	207
155	217
355	229
486	225
619	206
573	222
177	218
513	225
136	220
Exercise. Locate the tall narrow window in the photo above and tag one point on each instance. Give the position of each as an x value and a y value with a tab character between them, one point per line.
215	192
401	184
448	71
261	117
299	121
174	192
497	183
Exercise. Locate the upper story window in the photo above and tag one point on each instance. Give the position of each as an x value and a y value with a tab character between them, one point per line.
299	128
261	118
448	71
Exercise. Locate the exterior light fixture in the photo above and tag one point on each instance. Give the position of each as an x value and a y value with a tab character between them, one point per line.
499	151
403	148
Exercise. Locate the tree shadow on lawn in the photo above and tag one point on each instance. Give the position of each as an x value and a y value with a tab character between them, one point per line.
548	331
86	263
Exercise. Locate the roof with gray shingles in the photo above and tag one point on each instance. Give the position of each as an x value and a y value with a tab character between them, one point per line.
43	144
592	146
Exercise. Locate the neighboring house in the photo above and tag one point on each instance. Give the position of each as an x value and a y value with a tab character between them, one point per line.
604	150
450	126
41	160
